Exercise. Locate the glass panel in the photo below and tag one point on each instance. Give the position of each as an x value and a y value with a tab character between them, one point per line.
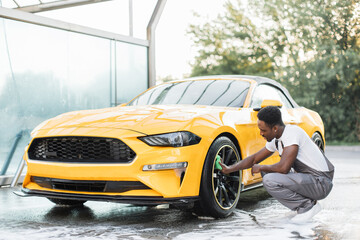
173	94
88	83
112	16
195	92
45	72
149	96
202	92
263	92
131	71
285	101
230	93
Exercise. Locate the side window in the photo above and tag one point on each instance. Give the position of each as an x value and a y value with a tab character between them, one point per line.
284	100
263	92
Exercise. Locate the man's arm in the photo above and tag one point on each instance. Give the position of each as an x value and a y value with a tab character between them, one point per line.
247	162
283	166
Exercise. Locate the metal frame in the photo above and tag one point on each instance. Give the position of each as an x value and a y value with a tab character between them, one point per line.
25	15
41	7
151	38
48	22
131	18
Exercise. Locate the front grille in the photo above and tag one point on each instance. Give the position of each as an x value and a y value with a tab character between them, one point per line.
88	186
81	149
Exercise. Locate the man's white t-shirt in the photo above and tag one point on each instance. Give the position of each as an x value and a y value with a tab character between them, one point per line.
310	159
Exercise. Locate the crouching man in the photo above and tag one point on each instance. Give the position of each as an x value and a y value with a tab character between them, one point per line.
312	177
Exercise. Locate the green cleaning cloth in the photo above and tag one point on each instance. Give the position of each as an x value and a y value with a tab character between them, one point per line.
217	164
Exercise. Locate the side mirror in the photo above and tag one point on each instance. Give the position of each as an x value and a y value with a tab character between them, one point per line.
268	102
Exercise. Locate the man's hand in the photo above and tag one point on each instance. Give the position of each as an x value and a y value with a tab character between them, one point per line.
225	169
255	169
248	162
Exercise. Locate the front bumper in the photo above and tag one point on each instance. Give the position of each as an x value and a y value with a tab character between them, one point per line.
162	184
137	200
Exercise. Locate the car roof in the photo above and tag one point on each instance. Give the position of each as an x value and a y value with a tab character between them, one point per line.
259	80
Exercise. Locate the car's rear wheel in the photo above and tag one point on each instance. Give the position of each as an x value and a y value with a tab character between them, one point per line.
66	202
219	193
316	137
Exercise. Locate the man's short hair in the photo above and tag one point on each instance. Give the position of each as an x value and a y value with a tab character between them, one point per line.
271	115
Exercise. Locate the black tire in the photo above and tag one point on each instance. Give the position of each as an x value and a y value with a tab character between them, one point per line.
316	137
66	202
219	193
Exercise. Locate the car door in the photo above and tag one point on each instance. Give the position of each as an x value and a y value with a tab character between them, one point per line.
269	92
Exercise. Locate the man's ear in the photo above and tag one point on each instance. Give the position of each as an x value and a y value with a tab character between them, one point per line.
275	128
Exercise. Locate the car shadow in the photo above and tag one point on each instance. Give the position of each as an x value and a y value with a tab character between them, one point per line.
70	212
249	200
132	214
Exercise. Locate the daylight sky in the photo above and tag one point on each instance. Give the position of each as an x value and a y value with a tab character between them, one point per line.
173	48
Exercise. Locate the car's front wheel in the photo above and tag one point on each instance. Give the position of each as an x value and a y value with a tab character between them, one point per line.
219	193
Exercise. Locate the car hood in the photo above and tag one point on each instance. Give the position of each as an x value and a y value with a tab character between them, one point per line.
143	119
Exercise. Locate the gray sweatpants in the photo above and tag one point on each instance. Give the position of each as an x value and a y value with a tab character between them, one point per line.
297	191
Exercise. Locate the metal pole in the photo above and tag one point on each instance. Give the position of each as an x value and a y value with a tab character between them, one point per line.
54	5
151	38
18	173
11	153
115	82
131	19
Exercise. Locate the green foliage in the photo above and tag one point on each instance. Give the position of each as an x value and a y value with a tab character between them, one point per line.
311	47
229	45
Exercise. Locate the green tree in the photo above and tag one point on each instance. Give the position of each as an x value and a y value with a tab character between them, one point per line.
321	42
229	45
311	47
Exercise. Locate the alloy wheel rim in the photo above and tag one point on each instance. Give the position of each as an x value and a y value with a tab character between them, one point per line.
226	187
318	141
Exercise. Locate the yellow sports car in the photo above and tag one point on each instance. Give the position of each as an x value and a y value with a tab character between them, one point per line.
163	146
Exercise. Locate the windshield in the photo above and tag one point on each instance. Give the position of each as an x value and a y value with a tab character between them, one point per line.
226	93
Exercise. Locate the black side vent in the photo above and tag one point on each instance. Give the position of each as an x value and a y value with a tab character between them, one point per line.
89	186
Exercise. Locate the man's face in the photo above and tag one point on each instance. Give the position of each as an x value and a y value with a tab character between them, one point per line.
265	131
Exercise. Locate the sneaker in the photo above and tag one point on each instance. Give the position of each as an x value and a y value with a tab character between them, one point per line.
306	216
289	215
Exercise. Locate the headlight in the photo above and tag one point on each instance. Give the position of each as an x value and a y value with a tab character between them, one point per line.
175	139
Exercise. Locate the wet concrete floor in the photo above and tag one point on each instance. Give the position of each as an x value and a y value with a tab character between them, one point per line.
258	216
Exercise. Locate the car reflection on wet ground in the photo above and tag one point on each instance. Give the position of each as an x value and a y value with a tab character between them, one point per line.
258	215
